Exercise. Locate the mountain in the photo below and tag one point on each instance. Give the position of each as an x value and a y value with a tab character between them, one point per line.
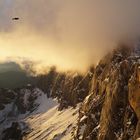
110	111
9	66
12	76
13	79
103	104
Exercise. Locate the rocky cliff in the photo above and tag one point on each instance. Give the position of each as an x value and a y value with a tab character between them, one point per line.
111	111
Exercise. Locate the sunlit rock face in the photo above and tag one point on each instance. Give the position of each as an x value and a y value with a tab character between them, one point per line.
134	95
111	111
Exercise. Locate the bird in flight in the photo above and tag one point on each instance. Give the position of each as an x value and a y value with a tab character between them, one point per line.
15	18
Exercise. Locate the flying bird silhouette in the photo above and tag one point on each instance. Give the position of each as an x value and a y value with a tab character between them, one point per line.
15	18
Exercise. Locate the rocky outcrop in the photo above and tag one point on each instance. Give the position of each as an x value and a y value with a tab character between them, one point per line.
46	81
19	104
6	97
71	88
111	110
25	99
14	132
134	95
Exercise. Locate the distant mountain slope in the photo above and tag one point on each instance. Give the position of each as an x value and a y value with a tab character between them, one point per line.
13	79
9	66
12	76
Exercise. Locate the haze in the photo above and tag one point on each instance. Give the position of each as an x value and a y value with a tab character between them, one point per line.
69	34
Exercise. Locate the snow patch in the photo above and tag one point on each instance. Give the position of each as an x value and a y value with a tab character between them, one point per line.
52	124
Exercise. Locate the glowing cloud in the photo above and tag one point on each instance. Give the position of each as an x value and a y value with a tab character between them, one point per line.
68	34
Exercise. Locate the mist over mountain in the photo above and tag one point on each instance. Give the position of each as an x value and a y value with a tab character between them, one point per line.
13	76
9	66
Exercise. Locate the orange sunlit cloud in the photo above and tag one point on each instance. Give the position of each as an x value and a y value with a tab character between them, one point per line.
61	33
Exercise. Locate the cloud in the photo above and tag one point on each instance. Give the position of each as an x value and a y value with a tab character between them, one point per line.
68	34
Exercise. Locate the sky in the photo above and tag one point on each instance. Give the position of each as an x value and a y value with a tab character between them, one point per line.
67	33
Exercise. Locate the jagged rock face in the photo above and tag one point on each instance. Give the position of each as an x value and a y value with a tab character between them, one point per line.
18	101
14	132
25	100
6	97
57	87
108	113
63	87
18	104
134	95
46	82
111	121
71	89
82	88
